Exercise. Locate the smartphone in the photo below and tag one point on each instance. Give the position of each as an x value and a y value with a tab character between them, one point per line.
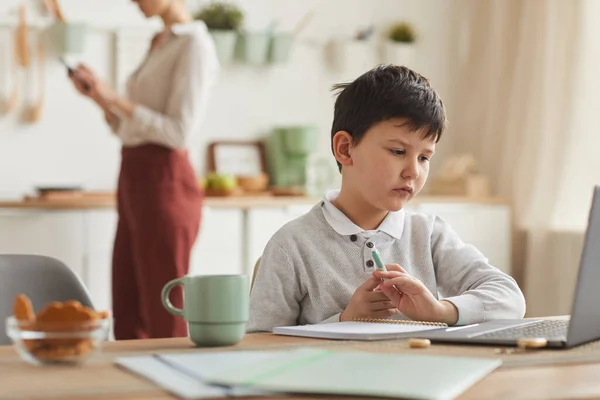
71	72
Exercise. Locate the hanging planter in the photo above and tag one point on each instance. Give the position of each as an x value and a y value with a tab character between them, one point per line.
225	42
280	48
253	47
282	43
352	56
223	20
399	48
69	37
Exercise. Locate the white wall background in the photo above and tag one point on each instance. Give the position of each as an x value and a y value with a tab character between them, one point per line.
582	164
72	145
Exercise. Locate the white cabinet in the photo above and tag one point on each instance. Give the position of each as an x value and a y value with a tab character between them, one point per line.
83	240
263	223
100	228
57	234
218	247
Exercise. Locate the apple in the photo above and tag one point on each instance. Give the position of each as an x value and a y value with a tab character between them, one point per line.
220	182
210	180
225	182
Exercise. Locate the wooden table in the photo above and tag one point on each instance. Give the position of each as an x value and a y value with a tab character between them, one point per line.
101	379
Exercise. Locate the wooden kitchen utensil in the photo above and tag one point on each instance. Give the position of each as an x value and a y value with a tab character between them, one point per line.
58	12
21	39
36	111
12	68
14	97
49	4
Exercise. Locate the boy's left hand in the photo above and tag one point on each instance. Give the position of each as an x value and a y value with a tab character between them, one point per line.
413	299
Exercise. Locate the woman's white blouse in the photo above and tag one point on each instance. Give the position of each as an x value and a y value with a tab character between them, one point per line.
170	89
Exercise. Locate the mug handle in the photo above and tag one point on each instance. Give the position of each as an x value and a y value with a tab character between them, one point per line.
165	297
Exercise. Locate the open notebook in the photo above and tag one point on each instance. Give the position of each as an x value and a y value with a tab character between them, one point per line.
259	373
360	329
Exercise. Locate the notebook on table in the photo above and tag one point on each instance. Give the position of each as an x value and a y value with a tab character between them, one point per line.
357	373
361	329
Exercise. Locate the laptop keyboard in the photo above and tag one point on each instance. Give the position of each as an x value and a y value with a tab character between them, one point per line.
553	329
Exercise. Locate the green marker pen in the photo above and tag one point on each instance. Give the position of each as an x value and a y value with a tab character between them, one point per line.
378	262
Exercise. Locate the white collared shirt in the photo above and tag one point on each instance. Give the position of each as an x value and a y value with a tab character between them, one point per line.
392	224
171	89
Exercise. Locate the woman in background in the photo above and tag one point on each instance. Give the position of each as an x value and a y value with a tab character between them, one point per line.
159	198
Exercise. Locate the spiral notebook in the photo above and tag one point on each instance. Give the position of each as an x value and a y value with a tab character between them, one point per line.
360	329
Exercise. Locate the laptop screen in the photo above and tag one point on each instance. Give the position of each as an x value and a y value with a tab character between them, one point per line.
585	315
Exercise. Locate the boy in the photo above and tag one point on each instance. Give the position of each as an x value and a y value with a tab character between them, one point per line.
319	268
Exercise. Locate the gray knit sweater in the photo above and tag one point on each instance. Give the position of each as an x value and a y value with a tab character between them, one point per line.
309	272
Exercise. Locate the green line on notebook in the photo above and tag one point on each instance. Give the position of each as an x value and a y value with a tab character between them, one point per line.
285	368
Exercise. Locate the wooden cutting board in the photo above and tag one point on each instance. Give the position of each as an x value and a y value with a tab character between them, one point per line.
70	195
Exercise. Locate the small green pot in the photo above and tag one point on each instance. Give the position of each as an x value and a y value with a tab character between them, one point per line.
280	48
225	41
300	140
69	37
253	47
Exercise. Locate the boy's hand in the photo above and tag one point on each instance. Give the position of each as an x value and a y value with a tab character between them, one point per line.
410	296
368	303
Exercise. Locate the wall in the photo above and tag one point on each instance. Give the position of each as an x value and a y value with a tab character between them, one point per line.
72	145
582	165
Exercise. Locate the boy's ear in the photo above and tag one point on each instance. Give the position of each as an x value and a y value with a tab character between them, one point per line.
342	148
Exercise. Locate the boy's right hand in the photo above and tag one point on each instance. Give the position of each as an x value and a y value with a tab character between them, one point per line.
368	303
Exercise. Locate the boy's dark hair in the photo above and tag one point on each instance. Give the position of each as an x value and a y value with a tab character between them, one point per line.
385	92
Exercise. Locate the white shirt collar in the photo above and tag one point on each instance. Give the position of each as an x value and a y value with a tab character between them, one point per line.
392	224
189	27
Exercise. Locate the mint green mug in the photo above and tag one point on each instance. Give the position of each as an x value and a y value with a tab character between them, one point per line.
216	307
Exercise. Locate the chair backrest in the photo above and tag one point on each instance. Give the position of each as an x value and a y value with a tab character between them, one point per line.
43	279
254	273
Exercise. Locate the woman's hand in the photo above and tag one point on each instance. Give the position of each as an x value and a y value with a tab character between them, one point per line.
110	117
412	298
88	84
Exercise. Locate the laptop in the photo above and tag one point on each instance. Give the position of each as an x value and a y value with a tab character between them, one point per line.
584	324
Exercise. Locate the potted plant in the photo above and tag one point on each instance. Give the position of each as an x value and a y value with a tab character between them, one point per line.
399	47
351	56
253	46
223	21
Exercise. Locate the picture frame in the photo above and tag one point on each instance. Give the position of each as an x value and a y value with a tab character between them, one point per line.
237	158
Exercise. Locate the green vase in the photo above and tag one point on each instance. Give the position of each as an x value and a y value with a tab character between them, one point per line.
225	41
253	47
69	37
300	140
280	48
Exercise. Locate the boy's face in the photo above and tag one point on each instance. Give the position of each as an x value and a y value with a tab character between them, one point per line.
390	165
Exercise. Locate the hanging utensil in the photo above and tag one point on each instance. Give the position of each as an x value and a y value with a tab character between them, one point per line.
303	22
49	5
57	11
13	67
36	111
20	57
21	39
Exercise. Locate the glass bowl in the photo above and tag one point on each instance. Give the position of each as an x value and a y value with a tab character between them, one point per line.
69	342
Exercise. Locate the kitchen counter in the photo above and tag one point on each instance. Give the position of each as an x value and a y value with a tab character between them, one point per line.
239	202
